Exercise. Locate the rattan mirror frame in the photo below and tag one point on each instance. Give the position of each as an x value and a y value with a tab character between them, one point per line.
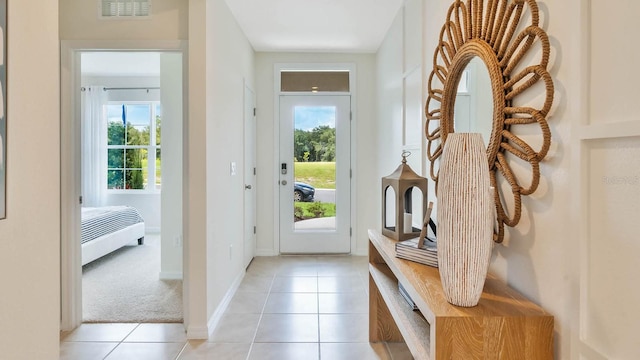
494	30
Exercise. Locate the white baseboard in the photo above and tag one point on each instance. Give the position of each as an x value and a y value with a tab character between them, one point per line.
197	333
265	252
360	252
214	320
170	275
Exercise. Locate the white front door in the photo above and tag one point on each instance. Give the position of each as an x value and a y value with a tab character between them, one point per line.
314	168
249	176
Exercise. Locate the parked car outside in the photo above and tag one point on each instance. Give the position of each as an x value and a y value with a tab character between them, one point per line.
303	192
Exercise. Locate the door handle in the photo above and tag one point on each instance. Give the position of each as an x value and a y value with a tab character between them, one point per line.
283	182
248	187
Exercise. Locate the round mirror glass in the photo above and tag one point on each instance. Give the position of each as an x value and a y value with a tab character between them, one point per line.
473	110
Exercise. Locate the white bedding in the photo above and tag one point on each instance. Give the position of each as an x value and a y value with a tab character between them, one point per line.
99	221
106	229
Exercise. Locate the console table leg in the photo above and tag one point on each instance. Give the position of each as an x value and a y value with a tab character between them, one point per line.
382	327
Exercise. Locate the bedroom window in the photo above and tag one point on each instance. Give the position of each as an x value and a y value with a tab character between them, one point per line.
133	146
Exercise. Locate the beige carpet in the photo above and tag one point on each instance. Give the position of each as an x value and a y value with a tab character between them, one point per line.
124	287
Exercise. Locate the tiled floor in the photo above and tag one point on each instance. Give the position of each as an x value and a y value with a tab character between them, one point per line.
288	307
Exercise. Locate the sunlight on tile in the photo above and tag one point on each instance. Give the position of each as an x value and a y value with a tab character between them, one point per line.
100	332
247	303
158	333
343	303
235	328
202	350
288	307
287	328
292	303
304	284
284	351
85	350
339	284
344	328
146	351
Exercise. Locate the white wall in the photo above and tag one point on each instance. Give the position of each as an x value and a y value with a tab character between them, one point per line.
195	189
601	102
79	20
170	21
572	251
30	235
534	257
389	109
399	105
161	210
172	156
563	234
364	169
229	63
147	204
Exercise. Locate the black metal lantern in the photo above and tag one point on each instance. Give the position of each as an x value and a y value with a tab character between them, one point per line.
403	181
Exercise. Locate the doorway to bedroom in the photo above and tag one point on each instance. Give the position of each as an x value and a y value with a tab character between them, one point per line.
131	184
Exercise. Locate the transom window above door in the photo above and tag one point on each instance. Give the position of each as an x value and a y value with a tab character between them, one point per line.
314	81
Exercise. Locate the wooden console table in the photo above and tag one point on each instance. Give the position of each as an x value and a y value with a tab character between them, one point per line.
504	324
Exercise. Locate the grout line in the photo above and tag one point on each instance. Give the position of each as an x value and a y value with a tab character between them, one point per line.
255	333
122	341
109	353
318	297
317	292
182	350
130	332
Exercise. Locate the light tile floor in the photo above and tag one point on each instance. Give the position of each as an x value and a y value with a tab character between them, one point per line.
287	307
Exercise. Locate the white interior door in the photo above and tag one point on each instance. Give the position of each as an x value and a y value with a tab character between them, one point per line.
314	173
249	176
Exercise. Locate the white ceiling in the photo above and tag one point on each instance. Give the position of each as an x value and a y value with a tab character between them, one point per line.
354	26
318	25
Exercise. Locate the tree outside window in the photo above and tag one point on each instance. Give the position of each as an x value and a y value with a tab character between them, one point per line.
133	146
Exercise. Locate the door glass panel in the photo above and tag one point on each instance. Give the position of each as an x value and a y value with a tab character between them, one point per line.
314	149
314	159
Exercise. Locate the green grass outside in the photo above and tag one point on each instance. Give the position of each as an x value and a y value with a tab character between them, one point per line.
145	171
328	208
321	175
158	171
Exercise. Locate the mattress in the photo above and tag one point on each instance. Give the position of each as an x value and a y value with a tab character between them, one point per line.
99	221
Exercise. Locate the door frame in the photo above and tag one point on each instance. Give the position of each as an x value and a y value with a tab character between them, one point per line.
249	120
278	68
70	188
316	241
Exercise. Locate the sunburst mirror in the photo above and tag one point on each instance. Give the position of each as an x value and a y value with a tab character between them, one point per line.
505	35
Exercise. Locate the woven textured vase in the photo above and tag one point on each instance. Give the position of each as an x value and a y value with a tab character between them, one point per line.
465	218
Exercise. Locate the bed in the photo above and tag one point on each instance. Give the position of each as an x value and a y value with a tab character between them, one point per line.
106	229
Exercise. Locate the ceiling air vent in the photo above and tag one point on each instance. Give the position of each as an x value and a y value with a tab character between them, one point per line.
125	8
